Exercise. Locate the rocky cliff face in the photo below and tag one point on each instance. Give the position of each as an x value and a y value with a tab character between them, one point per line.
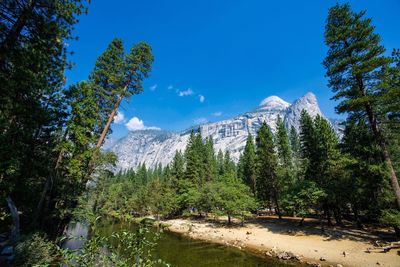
157	146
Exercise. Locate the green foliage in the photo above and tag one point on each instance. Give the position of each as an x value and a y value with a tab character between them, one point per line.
283	145
131	249
267	163
193	152
323	162
285	157
36	250
369	188
210	161
295	146
163	200
34	108
391	217
364	79
189	195
231	196
195	185
302	197
354	58
247	165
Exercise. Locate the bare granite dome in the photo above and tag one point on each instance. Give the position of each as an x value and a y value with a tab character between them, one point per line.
273	103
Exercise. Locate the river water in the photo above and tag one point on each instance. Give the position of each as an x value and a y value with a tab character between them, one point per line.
180	251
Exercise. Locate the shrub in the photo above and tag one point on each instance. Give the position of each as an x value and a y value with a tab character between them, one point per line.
35	250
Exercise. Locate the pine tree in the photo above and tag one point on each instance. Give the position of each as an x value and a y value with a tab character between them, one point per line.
74	151
308	145
294	142
210	162
220	162
368	188
248	164
142	175
193	160
267	183
296	153
167	174
178	166
200	151
117	76
284	154
354	63
229	165
324	165
33	110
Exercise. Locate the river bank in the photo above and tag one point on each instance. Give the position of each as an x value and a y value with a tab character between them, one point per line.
285	239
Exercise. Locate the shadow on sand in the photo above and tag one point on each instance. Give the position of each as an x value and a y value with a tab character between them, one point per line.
311	226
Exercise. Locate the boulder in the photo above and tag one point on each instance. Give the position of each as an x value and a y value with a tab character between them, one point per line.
286	256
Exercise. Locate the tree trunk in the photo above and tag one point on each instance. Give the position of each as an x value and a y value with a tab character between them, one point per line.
108	124
15	216
302	221
15	31
328	215
393	177
48	184
357	217
229	218
388	161
397	231
277	208
338	216
382	143
103	137
321	222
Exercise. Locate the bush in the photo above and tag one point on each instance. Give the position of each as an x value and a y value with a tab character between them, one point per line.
391	217
35	250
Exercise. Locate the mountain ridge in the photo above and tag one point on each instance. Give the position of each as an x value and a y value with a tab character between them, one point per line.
154	147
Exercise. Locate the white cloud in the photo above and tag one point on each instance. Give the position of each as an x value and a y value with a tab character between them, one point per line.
201	98
217	114
119	118
135	124
170	87
186	92
200	120
153	87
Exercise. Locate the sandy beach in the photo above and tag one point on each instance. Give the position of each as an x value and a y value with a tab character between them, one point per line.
273	238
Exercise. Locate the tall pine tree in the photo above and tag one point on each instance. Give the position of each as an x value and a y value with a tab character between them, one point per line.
284	154
248	164
268	187
354	63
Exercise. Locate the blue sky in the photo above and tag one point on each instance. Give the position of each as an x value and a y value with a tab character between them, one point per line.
217	59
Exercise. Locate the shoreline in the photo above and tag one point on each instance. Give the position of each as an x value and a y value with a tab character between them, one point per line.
306	245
